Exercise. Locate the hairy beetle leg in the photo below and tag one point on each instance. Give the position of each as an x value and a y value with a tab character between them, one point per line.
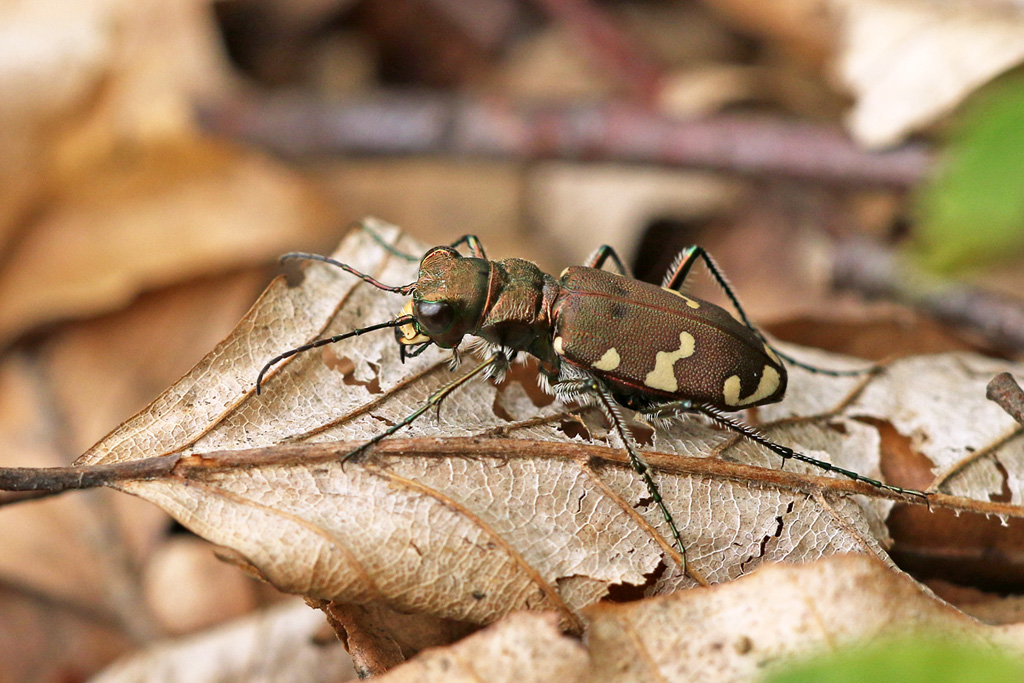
676	276
591	391
676	407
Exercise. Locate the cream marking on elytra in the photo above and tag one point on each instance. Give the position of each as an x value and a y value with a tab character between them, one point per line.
609	361
663	375
766	387
558	346
689	302
565	271
771	354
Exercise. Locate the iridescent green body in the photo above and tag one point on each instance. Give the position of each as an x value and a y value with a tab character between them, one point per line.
602	339
641	339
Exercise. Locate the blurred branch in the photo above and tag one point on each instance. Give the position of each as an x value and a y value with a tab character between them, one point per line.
489	23
61	603
400	123
602	37
877	272
1004	390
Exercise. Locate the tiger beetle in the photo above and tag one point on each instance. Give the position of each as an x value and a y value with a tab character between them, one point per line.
601	338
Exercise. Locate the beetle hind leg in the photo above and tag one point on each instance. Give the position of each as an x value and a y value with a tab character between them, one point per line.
666	411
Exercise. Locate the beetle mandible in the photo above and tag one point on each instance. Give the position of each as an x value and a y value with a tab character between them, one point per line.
601	338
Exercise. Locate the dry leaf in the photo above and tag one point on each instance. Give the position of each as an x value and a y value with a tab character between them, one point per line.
737	631
521	648
279	644
157	217
910	62
733	632
510	511
78	88
107	182
68	557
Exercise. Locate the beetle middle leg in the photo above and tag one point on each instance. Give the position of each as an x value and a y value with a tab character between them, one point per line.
602	254
676	276
590	390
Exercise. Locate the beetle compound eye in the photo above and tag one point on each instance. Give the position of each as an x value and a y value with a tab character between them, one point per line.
435	316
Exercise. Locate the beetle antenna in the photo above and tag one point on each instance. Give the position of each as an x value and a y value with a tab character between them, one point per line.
398	322
368	279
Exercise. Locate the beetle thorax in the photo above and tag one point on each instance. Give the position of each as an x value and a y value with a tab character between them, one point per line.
518	313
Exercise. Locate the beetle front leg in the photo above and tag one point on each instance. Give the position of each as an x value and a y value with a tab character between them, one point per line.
434	400
473	242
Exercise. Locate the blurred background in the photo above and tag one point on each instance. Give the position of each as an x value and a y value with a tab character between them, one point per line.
855	166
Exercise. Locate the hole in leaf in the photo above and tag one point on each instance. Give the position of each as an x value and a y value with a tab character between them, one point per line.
499	410
573	428
627	592
347	367
643	435
526	375
1005	495
900	463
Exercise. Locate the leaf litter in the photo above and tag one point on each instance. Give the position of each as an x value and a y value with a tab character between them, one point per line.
470	516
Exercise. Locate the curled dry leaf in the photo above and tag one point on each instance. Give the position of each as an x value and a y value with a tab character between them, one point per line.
521	648
165	215
519	505
279	644
735	632
910	62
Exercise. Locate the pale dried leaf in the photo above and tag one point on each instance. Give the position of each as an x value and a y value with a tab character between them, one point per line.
170	213
734	632
79	88
910	62
519	649
615	202
280	644
514	514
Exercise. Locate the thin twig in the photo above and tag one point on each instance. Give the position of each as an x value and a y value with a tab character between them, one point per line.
403	123
59	479
1004	390
605	41
198	466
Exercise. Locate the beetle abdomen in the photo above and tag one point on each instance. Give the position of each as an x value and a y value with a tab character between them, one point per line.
648	340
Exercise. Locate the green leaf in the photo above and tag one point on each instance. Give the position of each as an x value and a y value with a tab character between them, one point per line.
910	659
972	211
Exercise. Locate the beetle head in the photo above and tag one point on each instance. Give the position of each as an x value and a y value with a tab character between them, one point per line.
448	299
